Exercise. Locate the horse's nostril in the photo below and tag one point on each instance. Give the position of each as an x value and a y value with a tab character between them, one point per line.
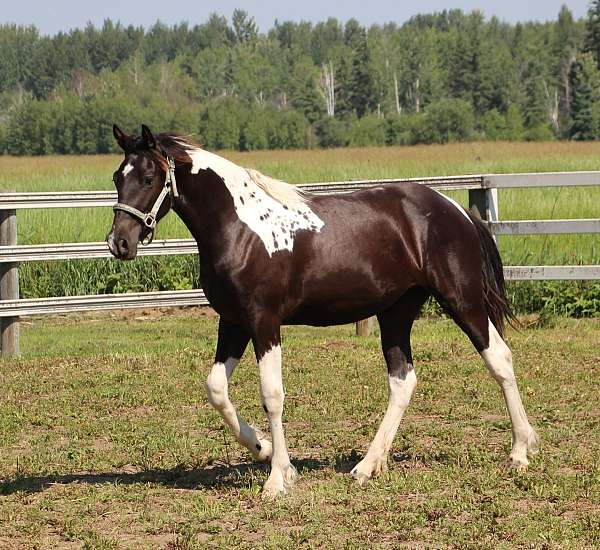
123	244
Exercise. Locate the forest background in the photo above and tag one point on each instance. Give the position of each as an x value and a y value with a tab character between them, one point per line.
437	78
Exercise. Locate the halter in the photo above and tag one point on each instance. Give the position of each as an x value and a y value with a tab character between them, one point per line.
149	219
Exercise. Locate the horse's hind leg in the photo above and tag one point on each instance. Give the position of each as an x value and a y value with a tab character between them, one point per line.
464	302
230	348
498	359
396	324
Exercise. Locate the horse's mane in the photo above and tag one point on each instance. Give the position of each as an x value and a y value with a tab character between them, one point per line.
179	148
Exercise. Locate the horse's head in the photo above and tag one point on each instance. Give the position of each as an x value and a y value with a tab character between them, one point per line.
142	182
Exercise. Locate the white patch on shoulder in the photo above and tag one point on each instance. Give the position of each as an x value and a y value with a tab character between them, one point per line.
458	206
127	168
274	210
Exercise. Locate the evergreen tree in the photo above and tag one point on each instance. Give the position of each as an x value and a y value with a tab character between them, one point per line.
592	28
324	38
565	53
243	89
304	91
215	33
362	92
353	34
17	46
343	87
463	61
585	87
244	26
536	109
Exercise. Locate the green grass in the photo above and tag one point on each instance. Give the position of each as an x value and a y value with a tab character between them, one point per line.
107	441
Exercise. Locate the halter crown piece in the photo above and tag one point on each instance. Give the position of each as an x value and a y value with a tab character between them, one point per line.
149	218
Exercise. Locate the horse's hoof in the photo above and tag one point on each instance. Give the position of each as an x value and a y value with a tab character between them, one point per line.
517	463
361	478
280	482
363	472
263	450
273	491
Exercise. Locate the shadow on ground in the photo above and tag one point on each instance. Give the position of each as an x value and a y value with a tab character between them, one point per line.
216	476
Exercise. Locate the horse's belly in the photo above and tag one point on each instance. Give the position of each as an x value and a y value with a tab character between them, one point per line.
339	310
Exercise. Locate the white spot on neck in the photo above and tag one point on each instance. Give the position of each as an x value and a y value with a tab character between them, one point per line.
127	168
276	222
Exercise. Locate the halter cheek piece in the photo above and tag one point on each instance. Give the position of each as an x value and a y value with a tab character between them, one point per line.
149	219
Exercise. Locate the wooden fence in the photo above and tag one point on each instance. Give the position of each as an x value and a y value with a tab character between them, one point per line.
482	191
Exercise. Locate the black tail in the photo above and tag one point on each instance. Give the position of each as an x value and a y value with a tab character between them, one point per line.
494	289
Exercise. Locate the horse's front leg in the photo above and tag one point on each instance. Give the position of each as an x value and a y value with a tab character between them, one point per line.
230	348
267	345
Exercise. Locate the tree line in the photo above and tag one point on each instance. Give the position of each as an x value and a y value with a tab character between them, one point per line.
437	78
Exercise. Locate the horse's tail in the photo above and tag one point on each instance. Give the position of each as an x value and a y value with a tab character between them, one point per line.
494	289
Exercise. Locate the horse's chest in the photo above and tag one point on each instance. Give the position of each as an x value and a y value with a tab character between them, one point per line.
222	292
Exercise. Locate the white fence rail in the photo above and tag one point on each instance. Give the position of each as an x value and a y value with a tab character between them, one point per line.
99	302
482	195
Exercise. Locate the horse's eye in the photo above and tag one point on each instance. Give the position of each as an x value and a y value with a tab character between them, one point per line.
115	176
148	180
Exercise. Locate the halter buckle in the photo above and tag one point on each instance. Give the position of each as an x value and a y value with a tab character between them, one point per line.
150	220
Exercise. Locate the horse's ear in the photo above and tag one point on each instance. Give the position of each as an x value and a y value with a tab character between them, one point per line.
122	138
149	138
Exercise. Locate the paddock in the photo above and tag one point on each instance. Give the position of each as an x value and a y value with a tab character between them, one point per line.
108	441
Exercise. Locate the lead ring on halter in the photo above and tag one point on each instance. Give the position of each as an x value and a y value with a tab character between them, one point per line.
149	218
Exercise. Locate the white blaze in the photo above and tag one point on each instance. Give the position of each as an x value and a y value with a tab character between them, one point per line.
127	168
274	222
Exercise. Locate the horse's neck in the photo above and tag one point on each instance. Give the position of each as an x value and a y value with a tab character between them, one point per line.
206	208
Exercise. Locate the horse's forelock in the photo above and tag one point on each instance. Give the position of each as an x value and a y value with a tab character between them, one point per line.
172	145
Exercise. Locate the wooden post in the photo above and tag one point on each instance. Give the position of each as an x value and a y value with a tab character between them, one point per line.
486	202
478	200
9	284
365	327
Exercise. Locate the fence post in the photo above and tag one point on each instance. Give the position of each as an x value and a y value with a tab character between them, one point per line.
486	202
9	284
365	327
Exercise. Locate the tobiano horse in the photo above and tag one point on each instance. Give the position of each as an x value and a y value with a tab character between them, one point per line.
272	255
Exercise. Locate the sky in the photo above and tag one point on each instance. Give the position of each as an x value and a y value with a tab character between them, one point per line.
51	16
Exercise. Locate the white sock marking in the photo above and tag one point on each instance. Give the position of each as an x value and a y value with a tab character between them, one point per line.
272	394
498	359
375	461
217	385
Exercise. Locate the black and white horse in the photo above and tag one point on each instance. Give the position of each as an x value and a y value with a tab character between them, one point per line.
272	255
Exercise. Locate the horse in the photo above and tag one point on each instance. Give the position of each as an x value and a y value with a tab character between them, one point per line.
272	255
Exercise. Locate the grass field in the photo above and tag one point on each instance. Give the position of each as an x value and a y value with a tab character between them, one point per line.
107	441
95	172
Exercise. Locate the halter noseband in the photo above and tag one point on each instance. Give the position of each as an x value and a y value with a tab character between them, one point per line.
149	218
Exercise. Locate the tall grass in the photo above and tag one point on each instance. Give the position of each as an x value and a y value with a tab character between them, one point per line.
94	173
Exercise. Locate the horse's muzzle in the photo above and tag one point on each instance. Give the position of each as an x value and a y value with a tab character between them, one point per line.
121	248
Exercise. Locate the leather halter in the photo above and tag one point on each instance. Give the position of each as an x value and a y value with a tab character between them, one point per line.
149	218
